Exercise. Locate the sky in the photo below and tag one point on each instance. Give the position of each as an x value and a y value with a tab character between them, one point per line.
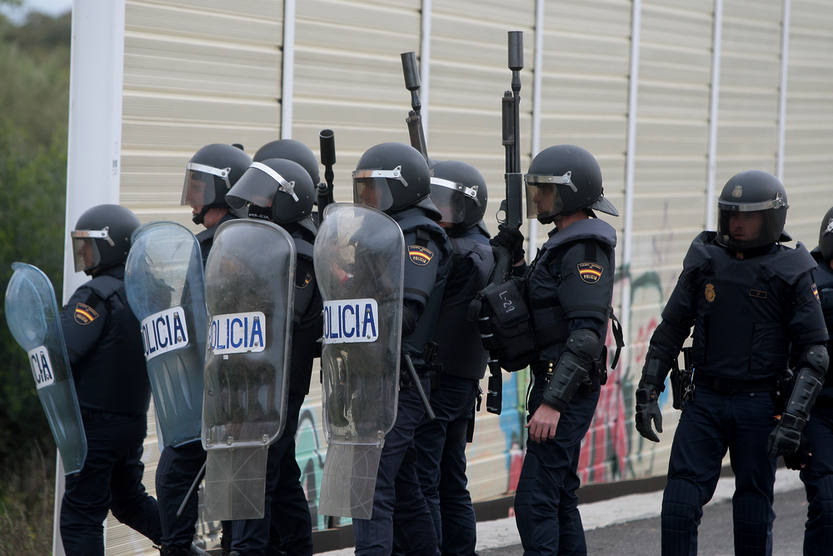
51	7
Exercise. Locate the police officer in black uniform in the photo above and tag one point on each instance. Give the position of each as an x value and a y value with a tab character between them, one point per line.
108	367
569	287
209	175
755	311
815	456
394	178
282	191
459	191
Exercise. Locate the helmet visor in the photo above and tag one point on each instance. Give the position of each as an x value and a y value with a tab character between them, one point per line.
543	200
450	199
201	181
748	229
85	252
371	191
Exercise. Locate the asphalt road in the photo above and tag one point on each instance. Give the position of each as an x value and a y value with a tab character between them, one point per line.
642	537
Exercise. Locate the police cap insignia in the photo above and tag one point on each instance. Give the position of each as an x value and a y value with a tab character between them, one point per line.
84	314
590	272
420	255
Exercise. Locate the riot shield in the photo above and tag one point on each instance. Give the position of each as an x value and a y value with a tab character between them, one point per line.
165	288
359	256
33	318
249	292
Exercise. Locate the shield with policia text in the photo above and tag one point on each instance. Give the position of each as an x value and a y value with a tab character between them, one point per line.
359	256
33	318
249	292
165	288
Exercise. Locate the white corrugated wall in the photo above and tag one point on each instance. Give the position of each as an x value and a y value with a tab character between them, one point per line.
198	72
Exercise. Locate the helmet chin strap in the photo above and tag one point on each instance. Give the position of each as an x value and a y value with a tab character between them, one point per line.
200	216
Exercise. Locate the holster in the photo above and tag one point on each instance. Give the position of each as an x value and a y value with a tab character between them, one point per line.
682	380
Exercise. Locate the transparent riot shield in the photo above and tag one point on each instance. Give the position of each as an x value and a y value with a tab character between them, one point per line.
33	318
359	257
165	288
249	291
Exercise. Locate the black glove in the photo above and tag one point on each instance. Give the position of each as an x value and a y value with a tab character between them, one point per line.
510	239
647	409
801	457
785	438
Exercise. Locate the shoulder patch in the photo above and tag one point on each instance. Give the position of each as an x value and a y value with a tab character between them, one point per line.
590	272
84	314
420	255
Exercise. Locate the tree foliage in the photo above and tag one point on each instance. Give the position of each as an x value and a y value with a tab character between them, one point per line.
34	60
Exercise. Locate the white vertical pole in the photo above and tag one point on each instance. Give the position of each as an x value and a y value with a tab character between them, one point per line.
782	91
425	63
714	105
288	72
537	80
93	138
630	161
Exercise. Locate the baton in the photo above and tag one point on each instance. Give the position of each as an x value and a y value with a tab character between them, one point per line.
190	492
418	386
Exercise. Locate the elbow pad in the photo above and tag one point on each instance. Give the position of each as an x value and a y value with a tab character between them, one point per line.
573	368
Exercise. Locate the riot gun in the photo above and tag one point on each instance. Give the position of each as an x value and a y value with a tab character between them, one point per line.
511	205
414	119
324	190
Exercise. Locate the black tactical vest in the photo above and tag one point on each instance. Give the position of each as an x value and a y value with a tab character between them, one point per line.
823	276
307	325
414	221
742	308
112	376
461	352
552	303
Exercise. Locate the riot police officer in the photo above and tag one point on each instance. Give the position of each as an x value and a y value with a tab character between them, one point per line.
281	191
209	175
394	178
753	305
459	191
108	367
815	456
569	288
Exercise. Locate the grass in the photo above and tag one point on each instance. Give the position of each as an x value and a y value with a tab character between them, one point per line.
27	490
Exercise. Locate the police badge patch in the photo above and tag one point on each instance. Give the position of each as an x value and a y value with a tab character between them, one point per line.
420	255
709	293
84	314
590	272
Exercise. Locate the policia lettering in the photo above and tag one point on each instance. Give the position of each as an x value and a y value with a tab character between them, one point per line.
351	320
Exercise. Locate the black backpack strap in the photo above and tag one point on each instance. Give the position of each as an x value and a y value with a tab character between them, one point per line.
616	327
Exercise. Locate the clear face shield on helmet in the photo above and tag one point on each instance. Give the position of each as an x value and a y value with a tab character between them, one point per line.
84	249
199	190
370	187
543	200
750	225
259	188
450	198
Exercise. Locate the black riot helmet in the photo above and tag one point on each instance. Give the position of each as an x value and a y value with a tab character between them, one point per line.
459	192
101	238
293	150
275	189
826	236
562	180
745	196
392	177
209	175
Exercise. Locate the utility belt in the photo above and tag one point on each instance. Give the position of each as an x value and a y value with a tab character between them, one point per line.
723	385
426	365
542	370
